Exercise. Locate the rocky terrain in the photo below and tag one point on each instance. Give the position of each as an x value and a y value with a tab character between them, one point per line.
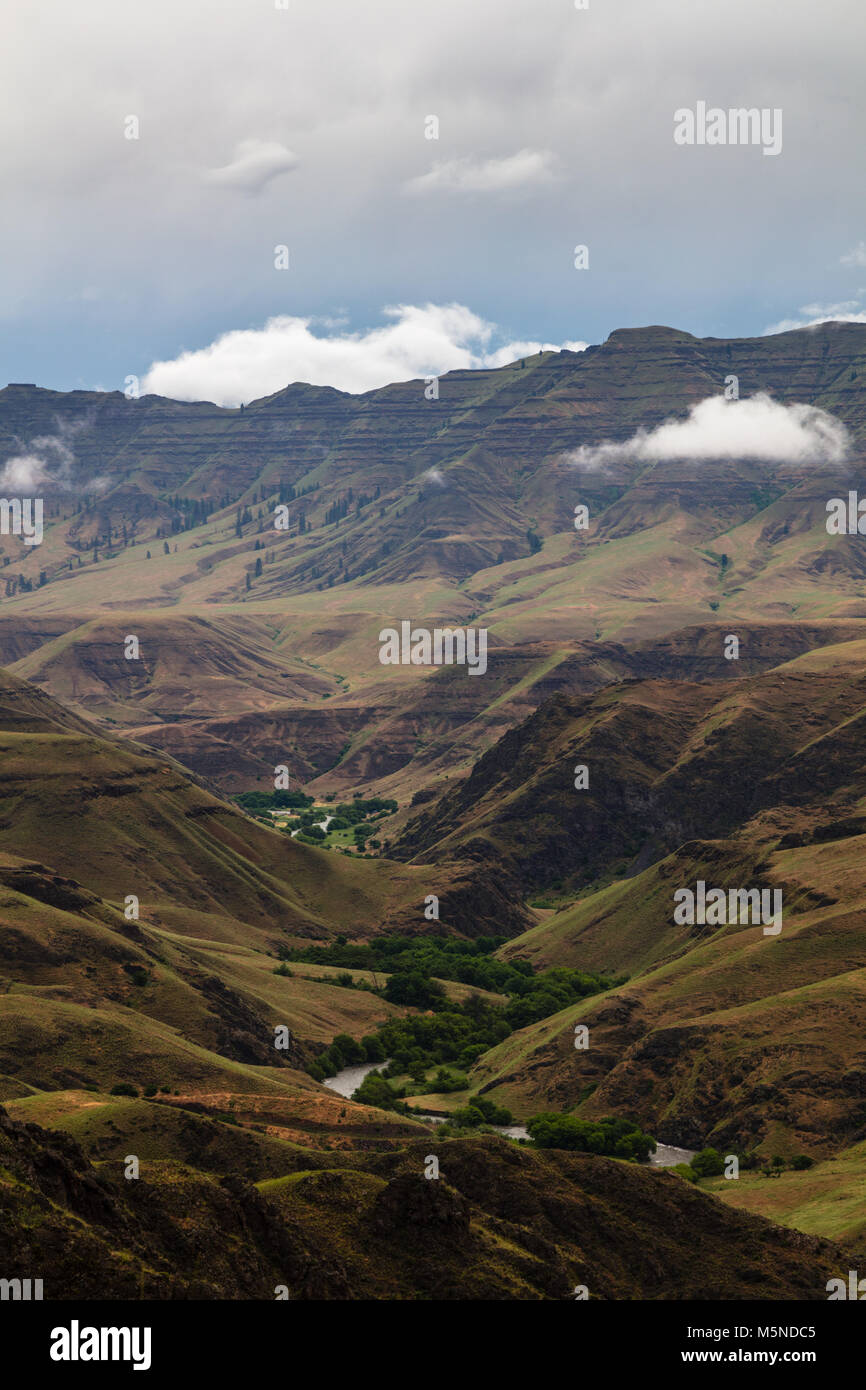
156	935
499	1223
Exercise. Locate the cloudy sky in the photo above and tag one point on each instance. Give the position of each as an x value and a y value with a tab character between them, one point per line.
308	128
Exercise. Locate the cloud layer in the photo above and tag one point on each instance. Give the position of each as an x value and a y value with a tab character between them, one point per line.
525	169
755	428
855	257
810	315
255	164
47	464
417	341
555	129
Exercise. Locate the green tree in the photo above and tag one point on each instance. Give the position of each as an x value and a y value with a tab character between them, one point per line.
375	1090
414	989
709	1163
347	1051
611	1135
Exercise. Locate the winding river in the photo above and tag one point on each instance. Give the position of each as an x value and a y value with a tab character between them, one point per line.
347	1081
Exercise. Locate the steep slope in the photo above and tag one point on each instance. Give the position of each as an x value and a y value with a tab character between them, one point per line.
824	1201
398	486
140	919
498	1224
123	821
453	511
186	667
724	1032
484	425
664	763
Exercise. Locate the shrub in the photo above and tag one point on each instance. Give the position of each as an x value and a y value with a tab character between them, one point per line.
443	1083
373	1049
415	989
124	1088
481	1111
612	1136
375	1090
709	1163
346	1051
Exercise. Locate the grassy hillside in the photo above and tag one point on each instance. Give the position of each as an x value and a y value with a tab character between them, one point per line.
825	1201
144	917
178	991
665	762
498	1223
454	512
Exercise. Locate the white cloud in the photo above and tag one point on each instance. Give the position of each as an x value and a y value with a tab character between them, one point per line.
525	169
755	428
504	76
255	164
857	257
514	351
47	463
25	473
847	311
418	341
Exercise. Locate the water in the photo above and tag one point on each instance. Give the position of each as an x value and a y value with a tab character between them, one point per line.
347	1081
509	1131
666	1156
512	1131
323	824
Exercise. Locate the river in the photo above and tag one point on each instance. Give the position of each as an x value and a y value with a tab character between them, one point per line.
347	1081
323	825
666	1156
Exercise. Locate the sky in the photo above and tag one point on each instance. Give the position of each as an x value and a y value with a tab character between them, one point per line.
213	198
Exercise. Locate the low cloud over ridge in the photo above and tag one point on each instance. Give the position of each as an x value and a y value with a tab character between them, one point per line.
755	428
47	464
417	341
